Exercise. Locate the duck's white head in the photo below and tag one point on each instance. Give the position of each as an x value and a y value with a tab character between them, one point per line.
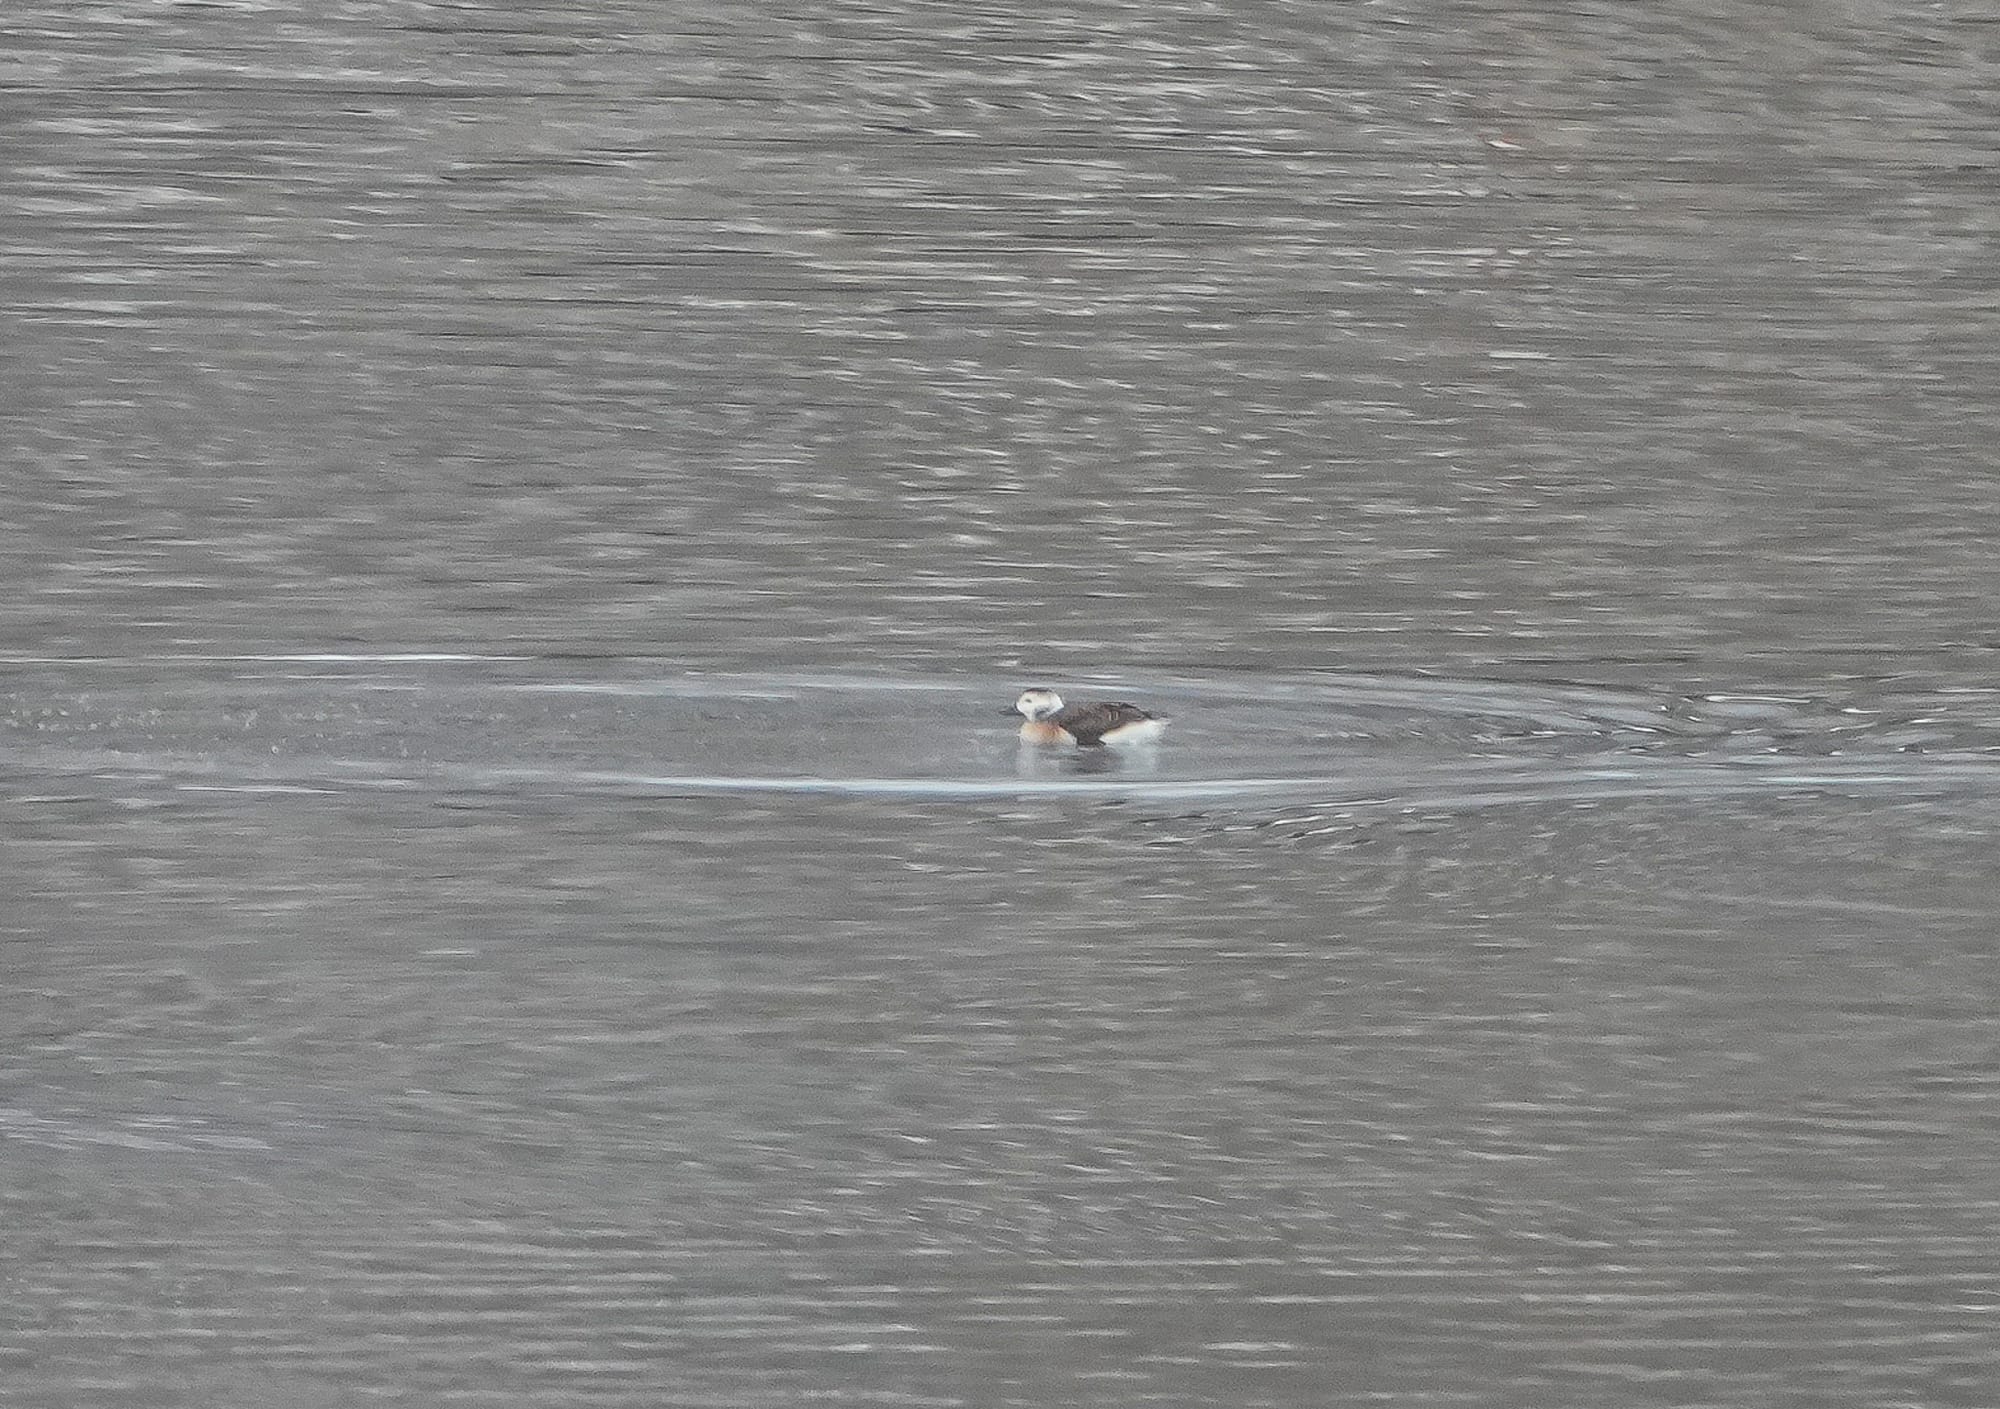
1039	704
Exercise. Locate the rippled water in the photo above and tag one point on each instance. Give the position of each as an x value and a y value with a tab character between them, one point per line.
520	525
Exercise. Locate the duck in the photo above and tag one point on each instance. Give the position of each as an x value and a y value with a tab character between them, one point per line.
1089	725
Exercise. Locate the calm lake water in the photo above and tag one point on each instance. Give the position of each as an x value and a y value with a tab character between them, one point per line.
521	522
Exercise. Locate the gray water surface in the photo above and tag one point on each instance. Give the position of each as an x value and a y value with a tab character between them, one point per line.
519	525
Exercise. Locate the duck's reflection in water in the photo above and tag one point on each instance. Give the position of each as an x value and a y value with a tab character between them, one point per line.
1038	761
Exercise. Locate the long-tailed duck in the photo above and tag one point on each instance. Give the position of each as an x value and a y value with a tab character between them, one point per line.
1050	721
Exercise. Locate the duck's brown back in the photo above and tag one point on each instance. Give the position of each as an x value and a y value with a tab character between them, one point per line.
1089	723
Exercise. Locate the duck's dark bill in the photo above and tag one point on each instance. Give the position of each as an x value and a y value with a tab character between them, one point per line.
1009	710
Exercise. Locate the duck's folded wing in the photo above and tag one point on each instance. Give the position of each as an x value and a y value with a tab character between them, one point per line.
1090	722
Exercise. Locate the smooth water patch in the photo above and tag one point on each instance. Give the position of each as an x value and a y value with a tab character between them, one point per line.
325	723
